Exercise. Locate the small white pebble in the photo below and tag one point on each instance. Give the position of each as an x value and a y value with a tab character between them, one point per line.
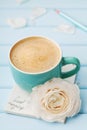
66	28
17	22
37	12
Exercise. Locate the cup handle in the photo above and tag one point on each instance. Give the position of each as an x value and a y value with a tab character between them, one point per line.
70	60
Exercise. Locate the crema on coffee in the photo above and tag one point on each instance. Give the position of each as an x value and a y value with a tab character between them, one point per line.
35	54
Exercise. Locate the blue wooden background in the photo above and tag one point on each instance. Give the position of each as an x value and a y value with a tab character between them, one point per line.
72	45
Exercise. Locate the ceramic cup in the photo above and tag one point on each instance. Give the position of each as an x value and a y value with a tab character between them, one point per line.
28	80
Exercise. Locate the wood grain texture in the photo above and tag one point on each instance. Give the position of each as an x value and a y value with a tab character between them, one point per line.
48	19
7	79
10	35
10	122
71	44
45	3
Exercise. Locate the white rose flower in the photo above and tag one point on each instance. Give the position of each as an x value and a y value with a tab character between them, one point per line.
57	99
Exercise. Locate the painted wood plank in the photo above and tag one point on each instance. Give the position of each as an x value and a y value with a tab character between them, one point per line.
76	51
48	19
83	93
10	36
4	50
73	51
44	26
5	93
10	122
6	79
46	3
82	77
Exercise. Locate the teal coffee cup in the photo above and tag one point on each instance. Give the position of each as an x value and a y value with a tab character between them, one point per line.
37	59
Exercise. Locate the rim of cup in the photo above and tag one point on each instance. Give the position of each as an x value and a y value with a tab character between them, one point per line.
38	36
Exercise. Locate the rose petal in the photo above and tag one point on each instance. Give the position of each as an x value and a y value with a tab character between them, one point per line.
66	28
17	22
37	12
